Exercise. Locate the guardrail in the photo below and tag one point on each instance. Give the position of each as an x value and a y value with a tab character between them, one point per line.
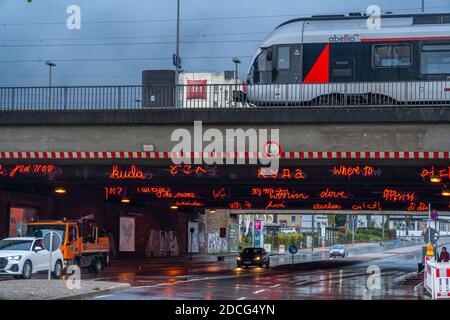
220	96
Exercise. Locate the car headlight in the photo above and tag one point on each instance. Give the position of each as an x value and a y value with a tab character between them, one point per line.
257	258
14	258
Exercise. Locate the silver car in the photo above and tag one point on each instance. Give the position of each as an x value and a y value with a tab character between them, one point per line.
338	250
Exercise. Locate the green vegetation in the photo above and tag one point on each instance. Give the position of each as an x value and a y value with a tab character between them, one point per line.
341	237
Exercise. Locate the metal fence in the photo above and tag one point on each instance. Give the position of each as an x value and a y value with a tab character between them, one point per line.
417	93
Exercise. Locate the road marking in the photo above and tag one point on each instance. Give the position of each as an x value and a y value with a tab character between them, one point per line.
242	298
302	282
104	296
259	291
275	286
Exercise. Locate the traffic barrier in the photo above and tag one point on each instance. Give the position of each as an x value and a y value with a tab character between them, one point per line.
437	279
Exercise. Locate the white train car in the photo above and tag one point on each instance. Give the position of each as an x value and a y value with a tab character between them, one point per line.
339	60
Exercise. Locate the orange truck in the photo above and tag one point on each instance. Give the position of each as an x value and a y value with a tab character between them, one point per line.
83	244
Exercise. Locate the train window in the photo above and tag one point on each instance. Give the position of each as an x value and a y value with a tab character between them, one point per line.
284	55
392	56
435	59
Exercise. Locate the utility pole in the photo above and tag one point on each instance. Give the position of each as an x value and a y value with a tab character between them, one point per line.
423	6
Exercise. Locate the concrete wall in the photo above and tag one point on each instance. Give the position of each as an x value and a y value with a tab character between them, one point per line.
293	137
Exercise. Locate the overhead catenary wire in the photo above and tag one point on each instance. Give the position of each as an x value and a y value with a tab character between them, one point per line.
210	18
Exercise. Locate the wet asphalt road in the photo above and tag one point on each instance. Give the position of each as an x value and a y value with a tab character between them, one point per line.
398	280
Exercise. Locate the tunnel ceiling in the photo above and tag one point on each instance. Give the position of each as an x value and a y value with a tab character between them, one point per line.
337	187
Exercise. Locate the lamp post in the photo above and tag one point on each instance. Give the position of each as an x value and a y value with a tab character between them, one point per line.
236	61
423	5
177	65
50	65
177	53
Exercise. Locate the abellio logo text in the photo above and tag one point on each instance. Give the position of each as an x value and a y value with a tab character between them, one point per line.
212	146
343	38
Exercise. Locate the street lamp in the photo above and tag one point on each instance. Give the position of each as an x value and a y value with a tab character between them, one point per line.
236	61
50	65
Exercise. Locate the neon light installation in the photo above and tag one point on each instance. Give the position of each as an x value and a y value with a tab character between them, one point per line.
397	196
367	206
131	173
327	206
281	174
278	194
349	171
333	194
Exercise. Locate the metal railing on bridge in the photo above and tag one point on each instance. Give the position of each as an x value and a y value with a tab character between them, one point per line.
217	96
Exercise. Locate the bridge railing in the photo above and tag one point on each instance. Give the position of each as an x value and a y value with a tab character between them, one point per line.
226	96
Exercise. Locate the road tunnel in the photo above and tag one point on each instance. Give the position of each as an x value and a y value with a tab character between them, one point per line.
164	201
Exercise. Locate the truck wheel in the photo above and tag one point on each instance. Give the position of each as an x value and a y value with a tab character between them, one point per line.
96	266
58	270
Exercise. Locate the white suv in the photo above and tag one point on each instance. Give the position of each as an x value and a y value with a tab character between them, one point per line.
21	257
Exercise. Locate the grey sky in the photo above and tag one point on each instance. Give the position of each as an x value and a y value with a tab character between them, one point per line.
34	32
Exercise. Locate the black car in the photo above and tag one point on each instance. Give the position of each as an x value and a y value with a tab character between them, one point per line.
253	257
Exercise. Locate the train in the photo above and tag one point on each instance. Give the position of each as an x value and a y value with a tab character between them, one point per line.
340	60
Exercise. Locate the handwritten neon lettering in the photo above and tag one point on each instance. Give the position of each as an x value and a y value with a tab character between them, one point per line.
282	174
367	206
166	193
219	193
349	171
274	205
236	205
332	194
132	173
189	204
34	169
188	170
279	194
327	206
113	191
417	206
397	196
443	173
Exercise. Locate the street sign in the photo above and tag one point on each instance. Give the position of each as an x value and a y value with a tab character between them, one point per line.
434	215
51	242
293	249
322	231
395	243
21	229
51	238
174	61
431	236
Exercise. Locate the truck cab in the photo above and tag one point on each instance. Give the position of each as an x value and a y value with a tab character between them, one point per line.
82	244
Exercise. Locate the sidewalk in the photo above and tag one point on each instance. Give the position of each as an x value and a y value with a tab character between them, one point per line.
37	289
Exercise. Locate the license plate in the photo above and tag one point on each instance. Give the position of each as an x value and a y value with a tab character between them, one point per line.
247	262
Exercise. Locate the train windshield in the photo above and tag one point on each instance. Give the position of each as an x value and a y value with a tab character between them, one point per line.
261	70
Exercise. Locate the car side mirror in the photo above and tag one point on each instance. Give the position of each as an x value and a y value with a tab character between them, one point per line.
269	55
37	248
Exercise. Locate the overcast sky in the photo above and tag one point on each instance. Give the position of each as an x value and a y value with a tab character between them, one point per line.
120	38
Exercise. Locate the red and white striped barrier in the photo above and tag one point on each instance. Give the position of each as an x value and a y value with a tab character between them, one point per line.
437	279
308	155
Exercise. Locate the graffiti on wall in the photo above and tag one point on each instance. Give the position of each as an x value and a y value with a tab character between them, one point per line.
162	244
216	244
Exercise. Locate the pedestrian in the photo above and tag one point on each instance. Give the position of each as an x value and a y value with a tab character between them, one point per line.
444	256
